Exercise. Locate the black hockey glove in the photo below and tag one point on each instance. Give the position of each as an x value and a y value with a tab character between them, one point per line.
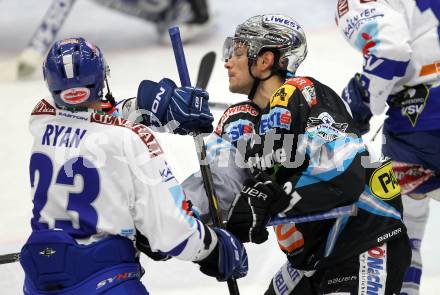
143	245
258	201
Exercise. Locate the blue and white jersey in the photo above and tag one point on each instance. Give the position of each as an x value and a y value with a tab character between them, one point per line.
95	175
399	40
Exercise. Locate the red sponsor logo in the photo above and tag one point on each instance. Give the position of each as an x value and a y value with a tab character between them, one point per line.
238	109
342	7
376	252
369	43
75	95
43	108
306	87
366	1
410	176
299	82
144	133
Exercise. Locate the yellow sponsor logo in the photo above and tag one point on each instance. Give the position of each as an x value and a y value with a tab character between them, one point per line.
282	95
383	182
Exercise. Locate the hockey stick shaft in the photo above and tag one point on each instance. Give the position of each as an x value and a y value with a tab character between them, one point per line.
349	210
48	29
204	168
9	258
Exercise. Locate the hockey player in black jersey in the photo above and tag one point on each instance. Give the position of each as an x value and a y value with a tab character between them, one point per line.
307	157
316	161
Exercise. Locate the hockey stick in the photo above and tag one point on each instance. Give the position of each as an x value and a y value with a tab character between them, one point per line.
349	210
43	36
377	132
9	258
200	145
205	71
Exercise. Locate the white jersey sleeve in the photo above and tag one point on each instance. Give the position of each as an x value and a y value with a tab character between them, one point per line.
229	171
393	36
95	175
157	210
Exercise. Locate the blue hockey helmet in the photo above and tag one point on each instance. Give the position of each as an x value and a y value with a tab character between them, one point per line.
74	71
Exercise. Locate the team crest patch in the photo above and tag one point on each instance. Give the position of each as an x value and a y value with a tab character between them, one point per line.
282	95
325	127
383	183
414	102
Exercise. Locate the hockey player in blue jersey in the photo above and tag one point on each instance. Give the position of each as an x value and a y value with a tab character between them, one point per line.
400	44
100	184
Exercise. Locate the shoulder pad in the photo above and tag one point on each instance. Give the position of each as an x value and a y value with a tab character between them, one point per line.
242	110
307	88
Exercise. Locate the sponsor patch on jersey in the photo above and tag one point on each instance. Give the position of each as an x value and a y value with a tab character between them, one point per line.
367	40
342	7
165	173
353	24
234	110
277	118
384	68
239	129
373	271
383	183
410	176
43	108
75	95
144	133
289	237
367	1
325	127
286	279
282	95
281	20
306	87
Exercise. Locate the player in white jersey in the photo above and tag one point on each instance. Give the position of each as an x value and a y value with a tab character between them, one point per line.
399	40
100	182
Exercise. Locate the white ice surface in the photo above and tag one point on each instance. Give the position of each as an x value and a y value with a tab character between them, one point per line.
131	49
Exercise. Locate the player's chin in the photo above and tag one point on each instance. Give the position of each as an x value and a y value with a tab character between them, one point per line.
234	87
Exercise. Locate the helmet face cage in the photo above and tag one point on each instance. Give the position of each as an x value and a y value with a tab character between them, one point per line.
75	71
271	32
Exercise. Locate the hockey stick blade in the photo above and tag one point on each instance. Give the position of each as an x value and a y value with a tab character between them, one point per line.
9	258
203	76
205	69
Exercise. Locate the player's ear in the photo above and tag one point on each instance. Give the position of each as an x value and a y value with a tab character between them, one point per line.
266	60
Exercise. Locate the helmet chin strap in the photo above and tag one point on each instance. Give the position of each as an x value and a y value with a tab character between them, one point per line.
257	80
